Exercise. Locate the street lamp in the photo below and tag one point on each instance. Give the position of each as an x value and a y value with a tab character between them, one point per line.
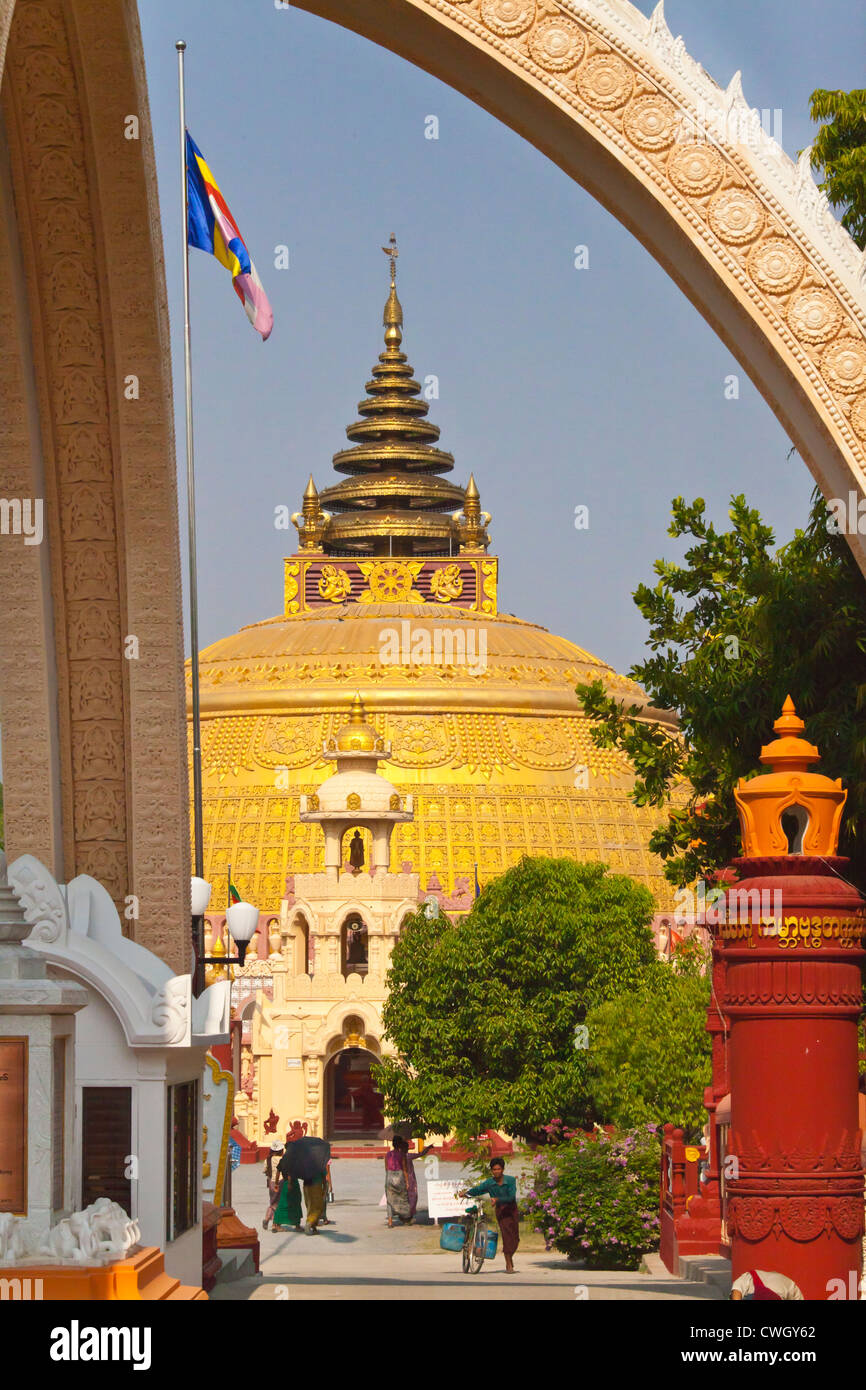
200	891
242	919
199	896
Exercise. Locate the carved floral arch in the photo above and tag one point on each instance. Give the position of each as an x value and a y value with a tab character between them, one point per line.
619	104
94	746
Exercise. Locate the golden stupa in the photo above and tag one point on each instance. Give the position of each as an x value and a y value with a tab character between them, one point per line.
392	596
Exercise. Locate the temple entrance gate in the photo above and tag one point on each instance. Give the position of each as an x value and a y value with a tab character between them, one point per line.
94	746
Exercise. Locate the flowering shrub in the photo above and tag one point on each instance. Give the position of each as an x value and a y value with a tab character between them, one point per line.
596	1196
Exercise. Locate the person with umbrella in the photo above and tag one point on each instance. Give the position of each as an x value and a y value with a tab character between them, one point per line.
306	1160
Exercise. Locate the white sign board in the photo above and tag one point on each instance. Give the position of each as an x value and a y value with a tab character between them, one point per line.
442	1199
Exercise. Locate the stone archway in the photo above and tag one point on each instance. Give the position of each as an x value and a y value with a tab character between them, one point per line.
617	102
353	1107
94	744
94	738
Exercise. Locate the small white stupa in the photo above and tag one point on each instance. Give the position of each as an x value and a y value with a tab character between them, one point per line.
356	794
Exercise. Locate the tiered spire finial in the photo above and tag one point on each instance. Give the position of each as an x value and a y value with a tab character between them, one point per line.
394	501
392	318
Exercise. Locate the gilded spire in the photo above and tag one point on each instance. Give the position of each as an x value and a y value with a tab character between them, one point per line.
311	521
392	317
358	735
395	501
471	522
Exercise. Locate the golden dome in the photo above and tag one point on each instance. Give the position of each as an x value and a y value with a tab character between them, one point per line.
472	711
501	762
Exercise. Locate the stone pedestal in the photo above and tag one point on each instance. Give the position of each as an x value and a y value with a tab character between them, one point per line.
140	1277
36	1067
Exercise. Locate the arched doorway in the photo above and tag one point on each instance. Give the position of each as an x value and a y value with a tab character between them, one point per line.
354	949
349	849
353	1106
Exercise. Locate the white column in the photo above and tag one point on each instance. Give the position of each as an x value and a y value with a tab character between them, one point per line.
381	855
333	838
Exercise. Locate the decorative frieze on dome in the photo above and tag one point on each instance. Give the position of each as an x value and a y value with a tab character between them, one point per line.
463	582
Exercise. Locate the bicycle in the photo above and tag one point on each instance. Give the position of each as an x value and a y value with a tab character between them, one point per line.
477	1228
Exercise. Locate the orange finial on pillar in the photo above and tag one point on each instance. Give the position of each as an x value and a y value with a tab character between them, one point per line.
789	810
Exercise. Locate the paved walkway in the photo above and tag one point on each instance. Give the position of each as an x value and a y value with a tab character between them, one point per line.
358	1257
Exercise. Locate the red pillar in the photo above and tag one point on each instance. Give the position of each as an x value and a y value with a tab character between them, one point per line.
792	996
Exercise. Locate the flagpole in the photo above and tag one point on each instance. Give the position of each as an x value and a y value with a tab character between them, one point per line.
198	838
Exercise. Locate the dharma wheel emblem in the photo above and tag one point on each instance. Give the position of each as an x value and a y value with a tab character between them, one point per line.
391	582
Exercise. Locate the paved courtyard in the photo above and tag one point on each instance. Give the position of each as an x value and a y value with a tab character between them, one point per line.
358	1257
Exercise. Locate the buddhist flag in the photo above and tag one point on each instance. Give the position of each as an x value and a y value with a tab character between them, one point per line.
211	227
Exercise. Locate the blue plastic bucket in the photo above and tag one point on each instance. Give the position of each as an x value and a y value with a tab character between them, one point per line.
451	1236
492	1244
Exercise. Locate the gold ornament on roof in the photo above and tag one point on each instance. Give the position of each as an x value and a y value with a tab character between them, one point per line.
357	736
391	581
212	973
446	583
334	584
471	523
353	802
311	522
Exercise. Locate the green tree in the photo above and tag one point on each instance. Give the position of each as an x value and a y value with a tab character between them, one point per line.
649	1052
483	1015
732	631
839	153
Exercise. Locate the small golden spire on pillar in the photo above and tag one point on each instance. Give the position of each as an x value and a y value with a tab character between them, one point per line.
471	522
311	521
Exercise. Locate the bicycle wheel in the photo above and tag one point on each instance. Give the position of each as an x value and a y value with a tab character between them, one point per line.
467	1246
479	1247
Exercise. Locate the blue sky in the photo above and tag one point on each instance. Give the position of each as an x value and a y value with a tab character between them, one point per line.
602	387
